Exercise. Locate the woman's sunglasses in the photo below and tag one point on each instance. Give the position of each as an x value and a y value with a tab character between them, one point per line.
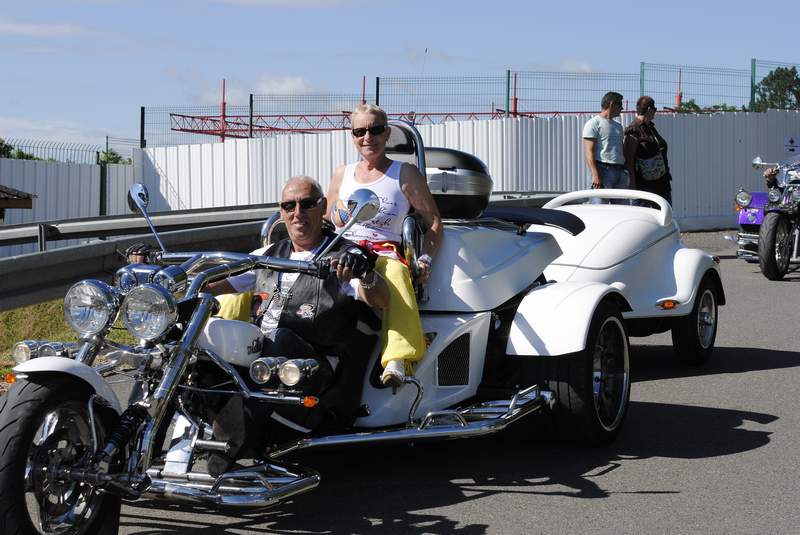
374	130
305	204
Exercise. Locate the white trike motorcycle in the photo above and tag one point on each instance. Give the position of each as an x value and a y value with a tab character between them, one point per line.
504	343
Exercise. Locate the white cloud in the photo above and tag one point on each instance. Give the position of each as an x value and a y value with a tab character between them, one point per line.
282	85
202	91
574	65
565	64
54	130
12	27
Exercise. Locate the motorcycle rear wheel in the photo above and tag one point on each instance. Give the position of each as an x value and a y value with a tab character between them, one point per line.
693	336
45	426
593	386
774	246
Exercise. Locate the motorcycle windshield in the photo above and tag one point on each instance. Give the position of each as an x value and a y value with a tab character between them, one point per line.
790	171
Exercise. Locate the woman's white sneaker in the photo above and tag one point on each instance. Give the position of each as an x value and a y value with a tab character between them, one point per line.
394	373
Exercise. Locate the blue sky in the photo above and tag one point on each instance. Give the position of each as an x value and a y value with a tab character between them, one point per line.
78	70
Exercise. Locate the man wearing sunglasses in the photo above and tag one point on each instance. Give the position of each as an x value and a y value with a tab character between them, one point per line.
315	310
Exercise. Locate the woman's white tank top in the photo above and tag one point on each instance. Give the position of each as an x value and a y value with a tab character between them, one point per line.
387	225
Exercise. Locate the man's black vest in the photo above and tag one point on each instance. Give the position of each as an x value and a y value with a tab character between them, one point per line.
316	309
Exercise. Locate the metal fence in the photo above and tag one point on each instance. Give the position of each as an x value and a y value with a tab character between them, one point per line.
438	99
550	92
56	151
676	86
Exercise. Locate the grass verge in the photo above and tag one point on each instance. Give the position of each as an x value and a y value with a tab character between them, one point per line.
44	321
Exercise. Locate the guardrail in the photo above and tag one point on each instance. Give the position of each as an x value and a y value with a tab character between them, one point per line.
98	227
36	277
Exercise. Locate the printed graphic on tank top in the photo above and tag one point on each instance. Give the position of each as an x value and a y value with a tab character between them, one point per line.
387	224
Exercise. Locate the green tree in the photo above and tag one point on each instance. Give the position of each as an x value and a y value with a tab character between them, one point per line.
5	149
689	106
112	156
8	151
780	89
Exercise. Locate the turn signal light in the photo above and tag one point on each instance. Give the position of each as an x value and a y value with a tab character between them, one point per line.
10	378
667	304
310	402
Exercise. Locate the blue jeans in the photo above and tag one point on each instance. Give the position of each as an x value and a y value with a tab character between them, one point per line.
612	177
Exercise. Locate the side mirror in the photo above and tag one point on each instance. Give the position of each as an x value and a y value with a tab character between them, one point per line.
363	205
138	198
758	163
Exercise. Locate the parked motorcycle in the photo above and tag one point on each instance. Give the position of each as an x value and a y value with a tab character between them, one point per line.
750	209
71	450
779	234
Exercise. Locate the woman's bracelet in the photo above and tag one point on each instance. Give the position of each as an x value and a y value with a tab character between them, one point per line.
371	284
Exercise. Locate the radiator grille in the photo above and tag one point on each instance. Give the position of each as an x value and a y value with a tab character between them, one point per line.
453	363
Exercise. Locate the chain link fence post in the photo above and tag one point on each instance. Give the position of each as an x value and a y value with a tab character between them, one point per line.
641	79
752	84
508	92
142	141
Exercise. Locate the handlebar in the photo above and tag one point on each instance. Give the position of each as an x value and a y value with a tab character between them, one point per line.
227	264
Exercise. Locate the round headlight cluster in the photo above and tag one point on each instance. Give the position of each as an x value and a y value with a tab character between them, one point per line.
796	195
774	195
290	372
90	306
744	198
149	311
264	369
293	371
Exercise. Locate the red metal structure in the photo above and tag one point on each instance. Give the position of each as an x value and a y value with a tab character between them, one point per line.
238	126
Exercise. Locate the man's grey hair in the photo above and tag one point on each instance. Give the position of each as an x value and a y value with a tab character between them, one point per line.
316	188
610	98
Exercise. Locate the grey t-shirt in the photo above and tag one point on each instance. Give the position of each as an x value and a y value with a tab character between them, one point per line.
608	136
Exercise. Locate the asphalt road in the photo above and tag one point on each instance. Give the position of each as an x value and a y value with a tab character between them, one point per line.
704	450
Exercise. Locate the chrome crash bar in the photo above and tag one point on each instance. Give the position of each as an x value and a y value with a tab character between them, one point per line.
476	420
253	487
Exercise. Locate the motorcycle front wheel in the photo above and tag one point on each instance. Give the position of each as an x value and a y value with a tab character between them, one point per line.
774	246
45	427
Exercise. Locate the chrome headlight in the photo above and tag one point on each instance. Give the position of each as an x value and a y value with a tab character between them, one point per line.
796	195
26	350
294	371
264	369
774	195
149	311
90	306
744	198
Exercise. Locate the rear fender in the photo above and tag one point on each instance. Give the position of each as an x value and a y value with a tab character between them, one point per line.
690	266
554	319
87	374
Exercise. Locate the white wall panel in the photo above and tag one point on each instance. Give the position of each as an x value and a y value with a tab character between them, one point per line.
63	191
709	156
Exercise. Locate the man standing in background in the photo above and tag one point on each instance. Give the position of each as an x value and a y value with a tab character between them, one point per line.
602	145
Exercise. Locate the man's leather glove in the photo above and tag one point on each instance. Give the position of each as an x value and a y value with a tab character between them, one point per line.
359	262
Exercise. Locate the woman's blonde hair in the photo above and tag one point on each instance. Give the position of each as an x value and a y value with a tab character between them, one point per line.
370	109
